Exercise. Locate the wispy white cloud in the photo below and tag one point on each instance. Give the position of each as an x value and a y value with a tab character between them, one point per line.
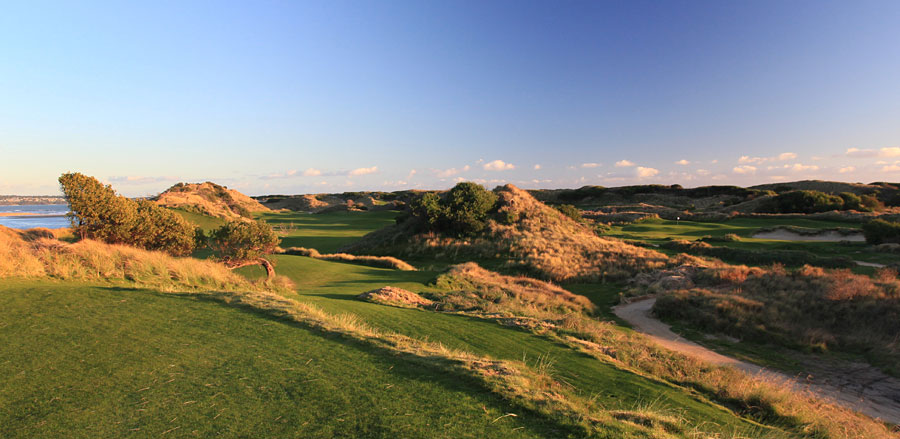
498	165
760	160
135	179
743	170
892	151
363	171
847	169
452	171
624	163
683	162
590	165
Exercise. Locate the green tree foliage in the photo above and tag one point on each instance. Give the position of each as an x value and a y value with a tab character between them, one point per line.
570	211
802	202
851	201
871	203
463	210
239	242
880	231
97	212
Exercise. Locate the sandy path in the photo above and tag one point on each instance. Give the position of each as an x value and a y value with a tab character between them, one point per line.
860	387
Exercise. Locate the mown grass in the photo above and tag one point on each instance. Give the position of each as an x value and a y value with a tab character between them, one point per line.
326	232
205	222
83	360
333	287
657	231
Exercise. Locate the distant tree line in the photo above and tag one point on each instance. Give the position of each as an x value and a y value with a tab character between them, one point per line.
807	201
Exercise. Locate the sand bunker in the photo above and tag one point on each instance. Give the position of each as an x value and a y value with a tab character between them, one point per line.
827	236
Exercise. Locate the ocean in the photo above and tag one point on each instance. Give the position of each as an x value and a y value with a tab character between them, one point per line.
51	216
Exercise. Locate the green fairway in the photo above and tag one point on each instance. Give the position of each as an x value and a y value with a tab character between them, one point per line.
99	361
327	232
333	286
656	231
205	222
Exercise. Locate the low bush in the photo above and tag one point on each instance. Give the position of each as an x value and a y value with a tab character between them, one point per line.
810	307
803	201
879	231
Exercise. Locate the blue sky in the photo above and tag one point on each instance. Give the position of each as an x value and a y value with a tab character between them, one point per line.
297	97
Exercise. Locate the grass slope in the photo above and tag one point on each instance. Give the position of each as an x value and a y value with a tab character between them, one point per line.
83	360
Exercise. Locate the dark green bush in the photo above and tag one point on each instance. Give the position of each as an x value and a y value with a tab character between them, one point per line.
239	241
880	231
462	211
802	202
97	212
570	211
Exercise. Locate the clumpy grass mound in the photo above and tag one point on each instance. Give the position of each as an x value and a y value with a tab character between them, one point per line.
395	297
525	234
31	254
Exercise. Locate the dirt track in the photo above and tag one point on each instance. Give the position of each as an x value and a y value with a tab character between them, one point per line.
856	386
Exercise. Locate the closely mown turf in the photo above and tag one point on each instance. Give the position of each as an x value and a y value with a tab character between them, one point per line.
326	232
656	231
333	286
98	361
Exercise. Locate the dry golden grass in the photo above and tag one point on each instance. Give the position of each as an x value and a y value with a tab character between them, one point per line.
811	307
394	296
34	253
546	310
372	261
538	240
210	199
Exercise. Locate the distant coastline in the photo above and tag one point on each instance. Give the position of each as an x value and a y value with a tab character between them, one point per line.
14	200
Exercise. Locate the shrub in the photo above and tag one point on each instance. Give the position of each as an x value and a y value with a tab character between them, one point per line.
97	212
570	211
236	242
802	202
461	211
880	231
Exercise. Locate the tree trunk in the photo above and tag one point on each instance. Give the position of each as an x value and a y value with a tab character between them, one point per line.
270	269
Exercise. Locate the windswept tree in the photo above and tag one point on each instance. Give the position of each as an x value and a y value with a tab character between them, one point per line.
242	243
97	212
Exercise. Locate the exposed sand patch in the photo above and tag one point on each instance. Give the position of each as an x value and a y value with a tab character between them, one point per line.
828	236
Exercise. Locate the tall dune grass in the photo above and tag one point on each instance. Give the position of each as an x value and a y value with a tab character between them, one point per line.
32	254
